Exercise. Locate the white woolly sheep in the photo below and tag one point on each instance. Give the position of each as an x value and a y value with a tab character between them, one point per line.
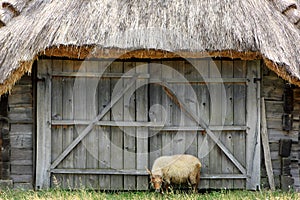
176	169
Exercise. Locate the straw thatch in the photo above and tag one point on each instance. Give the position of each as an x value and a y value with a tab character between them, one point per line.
290	8
247	29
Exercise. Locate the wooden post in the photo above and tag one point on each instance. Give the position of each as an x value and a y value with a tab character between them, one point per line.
43	155
266	147
253	122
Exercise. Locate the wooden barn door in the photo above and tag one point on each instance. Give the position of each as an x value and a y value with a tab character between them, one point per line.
221	127
87	135
92	135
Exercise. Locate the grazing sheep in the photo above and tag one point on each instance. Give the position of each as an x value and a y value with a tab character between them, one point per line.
177	169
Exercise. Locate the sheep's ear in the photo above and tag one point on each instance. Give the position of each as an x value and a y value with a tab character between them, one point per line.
148	171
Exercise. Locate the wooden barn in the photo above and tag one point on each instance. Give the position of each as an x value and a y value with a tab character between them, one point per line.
92	92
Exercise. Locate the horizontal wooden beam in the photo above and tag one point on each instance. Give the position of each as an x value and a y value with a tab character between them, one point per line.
222	176
98	75
152	125
137	173
107	123
198	128
100	171
147	76
201	81
20	121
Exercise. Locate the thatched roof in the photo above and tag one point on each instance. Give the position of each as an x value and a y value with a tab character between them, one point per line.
246	29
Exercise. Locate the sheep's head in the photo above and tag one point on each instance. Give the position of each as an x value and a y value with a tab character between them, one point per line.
156	181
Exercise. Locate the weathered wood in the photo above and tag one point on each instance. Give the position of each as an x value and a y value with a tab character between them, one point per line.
167	142
19	99
43	155
178	117
79	106
218	103
139	173
104	92
22	178
155	113
91	125
129	133
142	132
227	113
91	142
124	123
68	114
253	134
199	128
191	99
21	141
90	74
239	118
21	169
202	67
117	142
275	135
57	113
101	171
265	144
20	128
208	131
201	80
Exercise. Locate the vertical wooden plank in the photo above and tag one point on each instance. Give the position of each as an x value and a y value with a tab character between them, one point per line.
142	132
167	142
253	124
129	132
92	139
117	134
155	112
43	155
68	111
226	137
80	113
57	133
202	67
104	92
192	101
239	103
178	137
216	106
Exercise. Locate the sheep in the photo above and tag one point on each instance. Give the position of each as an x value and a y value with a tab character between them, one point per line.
176	169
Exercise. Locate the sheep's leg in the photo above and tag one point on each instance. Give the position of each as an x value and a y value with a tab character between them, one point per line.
194	180
195	186
167	187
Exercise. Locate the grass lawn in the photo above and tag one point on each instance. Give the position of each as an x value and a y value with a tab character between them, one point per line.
88	195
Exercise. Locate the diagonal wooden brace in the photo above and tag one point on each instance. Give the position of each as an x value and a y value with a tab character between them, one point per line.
80	137
199	121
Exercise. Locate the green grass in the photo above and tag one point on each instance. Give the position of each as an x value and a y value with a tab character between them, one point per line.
91	195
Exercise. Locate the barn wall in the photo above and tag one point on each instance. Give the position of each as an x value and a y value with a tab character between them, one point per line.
281	99
20	113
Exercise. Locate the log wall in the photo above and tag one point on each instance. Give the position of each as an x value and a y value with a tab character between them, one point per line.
20	113
282	109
